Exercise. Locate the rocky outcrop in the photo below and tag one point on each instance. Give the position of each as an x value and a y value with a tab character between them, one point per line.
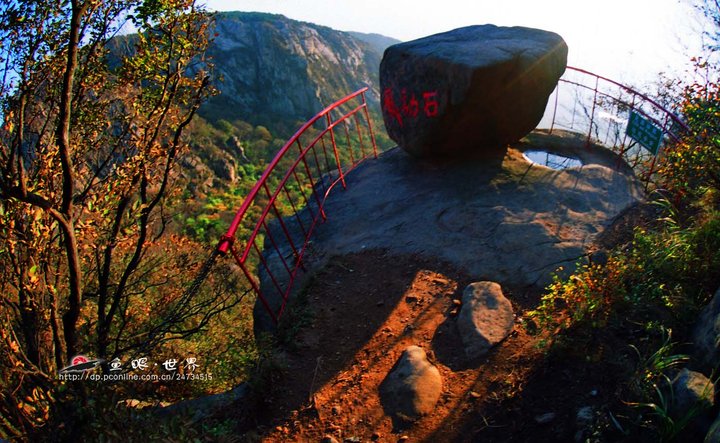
235	146
470	90
201	177
505	220
486	318
413	387
271	68
508	219
707	335
223	165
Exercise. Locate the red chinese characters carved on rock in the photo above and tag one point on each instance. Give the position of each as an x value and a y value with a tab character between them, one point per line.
410	106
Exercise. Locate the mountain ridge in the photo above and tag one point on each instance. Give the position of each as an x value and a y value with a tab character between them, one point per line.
273	74
271	67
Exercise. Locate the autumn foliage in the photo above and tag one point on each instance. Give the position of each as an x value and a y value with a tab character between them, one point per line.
92	132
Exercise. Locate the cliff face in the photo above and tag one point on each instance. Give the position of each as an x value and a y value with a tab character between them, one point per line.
271	67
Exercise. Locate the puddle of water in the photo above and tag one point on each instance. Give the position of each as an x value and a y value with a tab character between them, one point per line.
550	160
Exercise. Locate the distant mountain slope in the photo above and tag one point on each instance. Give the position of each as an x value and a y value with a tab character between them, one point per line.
274	68
378	42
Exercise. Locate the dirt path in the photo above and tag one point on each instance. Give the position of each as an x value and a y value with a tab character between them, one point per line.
366	309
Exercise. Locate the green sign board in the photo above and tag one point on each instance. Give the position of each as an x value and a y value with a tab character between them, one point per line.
644	132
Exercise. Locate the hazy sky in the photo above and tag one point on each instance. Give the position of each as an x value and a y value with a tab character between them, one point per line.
627	40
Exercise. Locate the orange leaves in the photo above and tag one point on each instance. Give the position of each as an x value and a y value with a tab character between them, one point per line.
35	406
586	296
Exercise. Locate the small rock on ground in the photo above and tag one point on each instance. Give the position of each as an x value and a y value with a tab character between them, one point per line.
691	390
486	318
413	387
545	418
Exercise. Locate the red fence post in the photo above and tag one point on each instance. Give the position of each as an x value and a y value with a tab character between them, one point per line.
335	151
367	118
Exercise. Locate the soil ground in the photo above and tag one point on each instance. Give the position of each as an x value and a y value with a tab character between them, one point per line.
364	309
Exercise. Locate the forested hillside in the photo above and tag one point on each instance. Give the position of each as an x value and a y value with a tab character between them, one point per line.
272	74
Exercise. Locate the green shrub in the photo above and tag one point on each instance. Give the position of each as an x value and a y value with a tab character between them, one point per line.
585	297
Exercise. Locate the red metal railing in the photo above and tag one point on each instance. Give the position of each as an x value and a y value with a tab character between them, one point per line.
282	210
600	108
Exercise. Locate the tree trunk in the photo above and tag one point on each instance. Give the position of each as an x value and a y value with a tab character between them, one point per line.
72	315
61	357
62	136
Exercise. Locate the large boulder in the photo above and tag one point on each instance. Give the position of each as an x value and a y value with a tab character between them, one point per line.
485	319
470	90
413	387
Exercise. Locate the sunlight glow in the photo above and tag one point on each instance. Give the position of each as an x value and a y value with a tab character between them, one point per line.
628	40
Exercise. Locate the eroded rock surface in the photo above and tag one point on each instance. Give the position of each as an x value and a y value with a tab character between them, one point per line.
504	220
